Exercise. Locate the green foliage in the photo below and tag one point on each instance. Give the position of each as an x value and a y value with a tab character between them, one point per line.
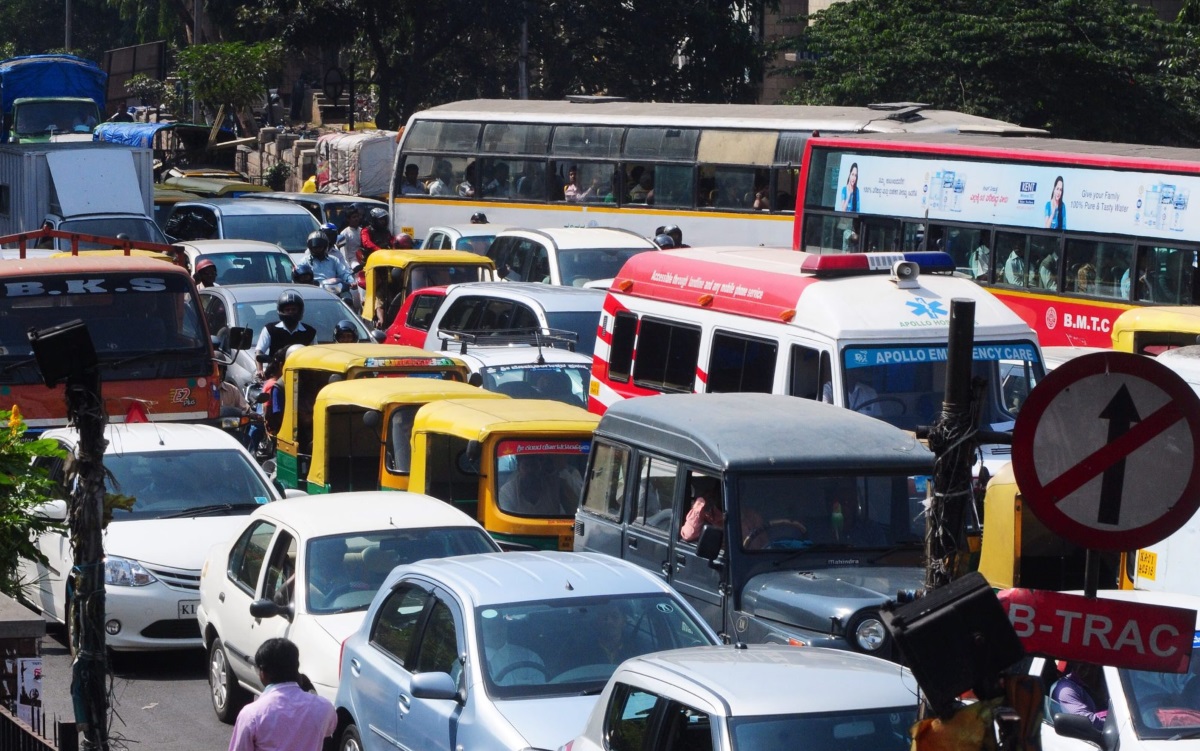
22	487
1095	69
29	27
277	175
151	91
233	74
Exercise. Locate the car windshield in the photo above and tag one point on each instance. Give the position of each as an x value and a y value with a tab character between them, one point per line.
582	323
903	383
1164	705
321	314
343	572
289	231
867	730
136	229
556	647
845	512
542	478
578	267
477	244
562	383
163	483
251	268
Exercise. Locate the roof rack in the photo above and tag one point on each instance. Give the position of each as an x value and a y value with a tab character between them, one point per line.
554	338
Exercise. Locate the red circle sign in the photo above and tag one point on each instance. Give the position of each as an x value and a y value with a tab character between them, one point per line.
1105	451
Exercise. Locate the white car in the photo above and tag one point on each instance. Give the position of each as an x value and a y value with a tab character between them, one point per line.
1145	709
306	570
515	367
193	485
765	697
568	256
242	261
476	238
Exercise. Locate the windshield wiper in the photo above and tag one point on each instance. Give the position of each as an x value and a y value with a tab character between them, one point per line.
144	355
19	364
1190	735
215	508
591	691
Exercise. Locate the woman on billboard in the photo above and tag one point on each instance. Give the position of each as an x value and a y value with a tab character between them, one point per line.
1056	212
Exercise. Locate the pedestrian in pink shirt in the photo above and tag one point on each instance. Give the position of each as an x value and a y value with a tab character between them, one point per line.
284	717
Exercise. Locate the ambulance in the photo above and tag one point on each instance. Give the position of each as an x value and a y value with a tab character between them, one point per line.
867	331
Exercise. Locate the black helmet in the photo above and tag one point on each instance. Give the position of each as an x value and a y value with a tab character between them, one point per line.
289	297
344	327
301	271
479	218
664	241
317	239
675	233
379	216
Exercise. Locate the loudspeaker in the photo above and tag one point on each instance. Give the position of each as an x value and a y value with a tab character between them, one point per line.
955	638
63	351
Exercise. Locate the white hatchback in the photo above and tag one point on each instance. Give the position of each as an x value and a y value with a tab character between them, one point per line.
193	485
306	570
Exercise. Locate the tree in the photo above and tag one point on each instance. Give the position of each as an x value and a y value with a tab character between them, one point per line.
233	75
1092	69
23	485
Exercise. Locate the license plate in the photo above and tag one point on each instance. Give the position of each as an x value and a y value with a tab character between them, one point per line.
187	608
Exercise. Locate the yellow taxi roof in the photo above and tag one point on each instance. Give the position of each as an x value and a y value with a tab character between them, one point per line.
375	393
405	257
341	357
477	418
1181	318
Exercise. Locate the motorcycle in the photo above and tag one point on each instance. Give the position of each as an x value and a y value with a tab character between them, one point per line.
250	428
348	295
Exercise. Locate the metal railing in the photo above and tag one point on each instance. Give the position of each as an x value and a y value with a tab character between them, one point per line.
18	735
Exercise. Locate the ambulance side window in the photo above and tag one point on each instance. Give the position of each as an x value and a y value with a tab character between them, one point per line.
808	372
667	356
620	354
738	363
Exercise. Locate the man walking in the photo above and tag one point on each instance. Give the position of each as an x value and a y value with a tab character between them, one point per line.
284	717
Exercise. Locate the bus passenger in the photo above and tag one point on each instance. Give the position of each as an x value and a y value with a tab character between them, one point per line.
442	175
1014	268
411	185
1048	271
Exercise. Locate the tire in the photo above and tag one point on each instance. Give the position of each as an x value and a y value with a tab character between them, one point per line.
227	696
350	740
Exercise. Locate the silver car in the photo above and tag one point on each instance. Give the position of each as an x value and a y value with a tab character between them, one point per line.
501	651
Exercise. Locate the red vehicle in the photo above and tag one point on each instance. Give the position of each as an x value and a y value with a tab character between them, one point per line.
153	346
412	322
1069	234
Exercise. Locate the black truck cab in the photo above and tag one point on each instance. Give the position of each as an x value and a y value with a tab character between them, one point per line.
817	520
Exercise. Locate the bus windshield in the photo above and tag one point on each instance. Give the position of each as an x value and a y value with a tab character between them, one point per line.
903	383
142	324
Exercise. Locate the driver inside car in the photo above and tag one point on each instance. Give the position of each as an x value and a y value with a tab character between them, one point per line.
509	664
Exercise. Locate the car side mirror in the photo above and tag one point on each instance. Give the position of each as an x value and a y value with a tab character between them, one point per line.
373	419
709	545
433	686
1077	726
269	609
468	458
378	335
240	338
55	511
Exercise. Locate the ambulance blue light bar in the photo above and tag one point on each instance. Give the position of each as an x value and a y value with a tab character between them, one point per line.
855	264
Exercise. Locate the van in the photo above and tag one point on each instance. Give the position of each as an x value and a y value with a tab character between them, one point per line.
781	520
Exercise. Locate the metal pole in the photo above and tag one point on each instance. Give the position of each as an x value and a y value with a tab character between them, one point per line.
952	442
195	40
523	59
353	98
67	35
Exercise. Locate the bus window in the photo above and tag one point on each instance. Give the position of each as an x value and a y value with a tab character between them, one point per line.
667	356
805	372
1164	275
880	235
786	179
440	135
825	234
674	185
734	188
584	182
516	138
1096	267
1009	259
740	363
620	355
961	243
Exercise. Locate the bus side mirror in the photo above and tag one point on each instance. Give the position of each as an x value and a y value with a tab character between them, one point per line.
240	338
709	545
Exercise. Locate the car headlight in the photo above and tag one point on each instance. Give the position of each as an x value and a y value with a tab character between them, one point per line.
869	635
122	572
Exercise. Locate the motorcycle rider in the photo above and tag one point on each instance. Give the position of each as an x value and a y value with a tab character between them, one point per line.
303	274
344	332
377	236
287	331
326	265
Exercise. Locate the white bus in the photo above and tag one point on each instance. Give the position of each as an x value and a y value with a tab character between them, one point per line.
724	173
866	331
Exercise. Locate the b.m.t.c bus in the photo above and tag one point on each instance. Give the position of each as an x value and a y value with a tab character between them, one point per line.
1069	234
841	328
722	172
154	351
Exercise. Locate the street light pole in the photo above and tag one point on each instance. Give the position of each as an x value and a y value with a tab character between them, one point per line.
67	39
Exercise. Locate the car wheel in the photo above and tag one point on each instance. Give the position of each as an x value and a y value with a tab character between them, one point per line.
227	696
351	741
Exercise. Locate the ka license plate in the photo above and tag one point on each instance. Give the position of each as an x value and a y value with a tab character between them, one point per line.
187	608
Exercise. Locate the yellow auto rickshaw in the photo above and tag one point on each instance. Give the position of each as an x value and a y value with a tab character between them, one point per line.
310	369
392	274
362	431
516	465
1151	330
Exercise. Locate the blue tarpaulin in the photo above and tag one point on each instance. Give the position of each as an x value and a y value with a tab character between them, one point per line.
51	76
129	134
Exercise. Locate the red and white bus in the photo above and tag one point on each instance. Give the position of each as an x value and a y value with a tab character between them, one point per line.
724	173
1069	234
151	340
866	331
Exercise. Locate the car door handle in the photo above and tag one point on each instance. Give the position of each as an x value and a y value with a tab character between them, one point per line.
680	561
404	702
355	666
666	568
632	543
221	597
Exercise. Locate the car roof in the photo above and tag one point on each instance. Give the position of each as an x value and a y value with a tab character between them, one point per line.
339	513
495	578
572	238
230	246
244	206
482	356
483	416
470	230
552	298
747	679
264	292
149	437
764	432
